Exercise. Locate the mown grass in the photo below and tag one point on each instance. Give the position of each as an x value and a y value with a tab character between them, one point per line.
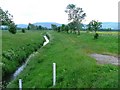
75	68
17	47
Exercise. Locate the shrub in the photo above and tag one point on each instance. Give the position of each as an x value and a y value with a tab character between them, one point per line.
96	36
23	30
12	28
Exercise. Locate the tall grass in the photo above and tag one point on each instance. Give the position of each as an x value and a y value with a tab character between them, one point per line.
16	48
0	58
75	68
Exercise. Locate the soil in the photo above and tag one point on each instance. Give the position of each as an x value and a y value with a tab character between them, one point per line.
106	59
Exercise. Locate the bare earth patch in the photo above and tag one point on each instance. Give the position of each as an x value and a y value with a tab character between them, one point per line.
105	59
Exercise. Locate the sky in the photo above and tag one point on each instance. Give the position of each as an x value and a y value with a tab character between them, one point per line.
31	11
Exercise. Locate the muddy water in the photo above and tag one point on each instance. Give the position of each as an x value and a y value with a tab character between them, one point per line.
105	59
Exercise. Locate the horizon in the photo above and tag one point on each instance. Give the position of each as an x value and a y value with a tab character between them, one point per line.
62	23
33	11
105	25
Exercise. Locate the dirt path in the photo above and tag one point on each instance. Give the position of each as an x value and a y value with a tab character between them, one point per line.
105	59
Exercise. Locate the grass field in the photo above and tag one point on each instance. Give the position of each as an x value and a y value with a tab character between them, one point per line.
16	48
75	68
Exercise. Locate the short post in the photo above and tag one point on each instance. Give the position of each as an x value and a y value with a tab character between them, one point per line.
54	74
20	84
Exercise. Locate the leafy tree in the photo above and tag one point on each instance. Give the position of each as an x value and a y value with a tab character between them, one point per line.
72	26
108	29
75	15
54	27
89	27
35	27
63	27
6	19
12	28
94	25
28	27
31	27
40	27
59	29
67	28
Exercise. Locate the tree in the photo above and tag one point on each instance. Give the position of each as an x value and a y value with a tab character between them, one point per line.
89	27
63	27
94	26
12	28
108	29
58	28
67	28
72	26
31	27
75	15
28	27
54	27
40	27
6	19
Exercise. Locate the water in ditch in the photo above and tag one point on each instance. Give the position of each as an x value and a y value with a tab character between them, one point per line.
21	68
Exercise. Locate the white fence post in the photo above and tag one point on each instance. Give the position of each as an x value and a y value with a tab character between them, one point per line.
20	84
54	74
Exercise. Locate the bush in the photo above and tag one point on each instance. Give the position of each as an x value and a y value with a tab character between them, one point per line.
23	30
96	36
12	28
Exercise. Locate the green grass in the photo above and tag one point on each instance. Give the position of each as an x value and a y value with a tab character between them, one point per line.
0	58
17	47
75	68
0	46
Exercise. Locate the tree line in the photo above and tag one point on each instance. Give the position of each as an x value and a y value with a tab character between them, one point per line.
36	27
75	17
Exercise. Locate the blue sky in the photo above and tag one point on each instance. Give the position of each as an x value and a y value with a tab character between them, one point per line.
25	11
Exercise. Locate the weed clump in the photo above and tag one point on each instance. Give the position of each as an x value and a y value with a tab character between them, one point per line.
23	30
96	36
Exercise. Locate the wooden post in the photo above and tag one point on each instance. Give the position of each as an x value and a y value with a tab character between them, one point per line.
54	74
20	84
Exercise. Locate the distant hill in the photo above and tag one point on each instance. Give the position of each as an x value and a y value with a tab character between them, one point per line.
46	24
105	25
43	24
112	25
22	25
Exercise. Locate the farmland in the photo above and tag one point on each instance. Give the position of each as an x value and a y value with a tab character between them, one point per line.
75	68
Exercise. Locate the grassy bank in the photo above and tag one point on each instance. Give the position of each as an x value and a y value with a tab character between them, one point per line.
16	48
75	68
0	58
